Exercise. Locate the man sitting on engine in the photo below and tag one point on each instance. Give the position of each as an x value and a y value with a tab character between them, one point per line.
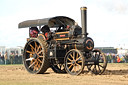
33	32
46	30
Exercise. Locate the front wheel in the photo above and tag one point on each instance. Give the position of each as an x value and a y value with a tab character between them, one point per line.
74	62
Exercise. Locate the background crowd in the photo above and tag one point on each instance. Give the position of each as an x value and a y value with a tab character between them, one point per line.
117	58
13	58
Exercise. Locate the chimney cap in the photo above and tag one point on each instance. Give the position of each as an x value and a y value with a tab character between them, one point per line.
83	8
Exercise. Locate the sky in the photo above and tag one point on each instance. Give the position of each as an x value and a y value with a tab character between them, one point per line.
106	19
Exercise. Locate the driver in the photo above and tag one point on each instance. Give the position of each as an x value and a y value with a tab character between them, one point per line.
46	30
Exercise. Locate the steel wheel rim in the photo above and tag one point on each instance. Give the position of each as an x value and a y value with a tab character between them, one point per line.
74	62
33	56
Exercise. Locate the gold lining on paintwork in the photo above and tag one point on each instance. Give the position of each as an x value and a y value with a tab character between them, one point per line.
62	32
62	39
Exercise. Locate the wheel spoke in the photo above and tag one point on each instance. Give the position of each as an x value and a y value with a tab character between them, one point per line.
29	59
34	68
69	63
39	60
32	61
31	47
31	64
37	68
78	66
38	65
70	66
94	69
73	69
69	59
40	52
101	66
40	56
38	48
78	58
79	62
30	52
72	56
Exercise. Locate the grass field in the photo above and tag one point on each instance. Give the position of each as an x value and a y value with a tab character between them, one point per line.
115	74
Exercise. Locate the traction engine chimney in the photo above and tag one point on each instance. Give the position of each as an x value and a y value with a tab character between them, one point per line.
84	21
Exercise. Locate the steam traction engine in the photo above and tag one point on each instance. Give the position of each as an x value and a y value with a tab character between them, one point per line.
61	44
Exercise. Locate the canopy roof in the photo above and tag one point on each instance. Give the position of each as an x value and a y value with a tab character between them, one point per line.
51	22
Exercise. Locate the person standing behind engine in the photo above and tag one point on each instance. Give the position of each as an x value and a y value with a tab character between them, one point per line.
5	58
16	58
11	58
0	55
2	58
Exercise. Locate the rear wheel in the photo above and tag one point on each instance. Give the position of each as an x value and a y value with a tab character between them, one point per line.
100	63
74	62
35	56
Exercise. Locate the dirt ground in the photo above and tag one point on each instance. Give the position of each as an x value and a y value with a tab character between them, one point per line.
115	74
